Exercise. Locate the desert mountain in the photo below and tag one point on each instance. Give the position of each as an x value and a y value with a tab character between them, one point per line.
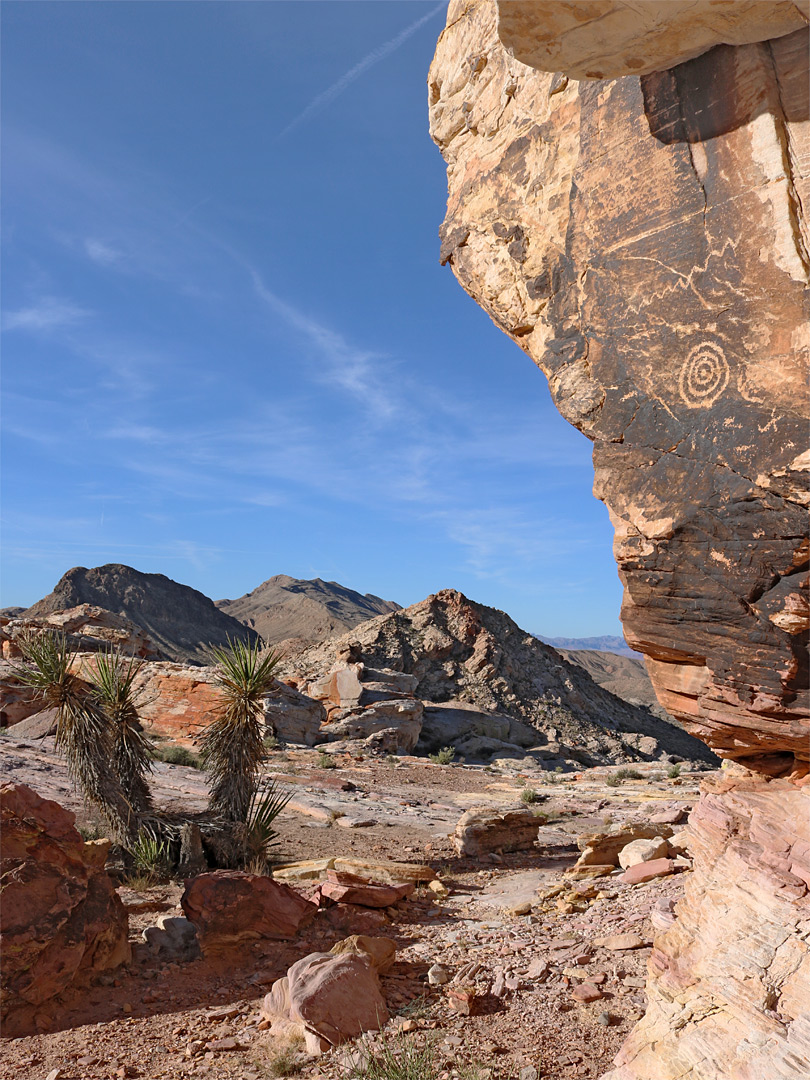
284	607
467	653
606	643
181	621
624	676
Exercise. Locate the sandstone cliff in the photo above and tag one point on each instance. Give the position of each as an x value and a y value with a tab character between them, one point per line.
181	621
645	241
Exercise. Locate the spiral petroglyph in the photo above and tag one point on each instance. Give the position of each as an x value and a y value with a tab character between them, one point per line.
704	376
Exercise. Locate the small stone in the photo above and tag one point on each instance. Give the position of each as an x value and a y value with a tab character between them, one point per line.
521	909
538	969
621	942
54	1074
586	992
224	1044
409	1025
604	1019
528	1072
438	975
646	871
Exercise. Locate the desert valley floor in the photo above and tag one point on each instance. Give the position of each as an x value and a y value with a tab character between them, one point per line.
526	937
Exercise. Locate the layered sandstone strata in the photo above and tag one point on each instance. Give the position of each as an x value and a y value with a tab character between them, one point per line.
645	241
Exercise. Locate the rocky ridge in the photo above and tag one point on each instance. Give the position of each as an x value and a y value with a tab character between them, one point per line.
448	651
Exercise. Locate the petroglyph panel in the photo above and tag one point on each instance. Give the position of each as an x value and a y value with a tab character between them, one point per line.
644	241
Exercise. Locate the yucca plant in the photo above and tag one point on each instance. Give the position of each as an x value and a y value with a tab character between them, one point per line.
231	746
112	679
259	835
83	730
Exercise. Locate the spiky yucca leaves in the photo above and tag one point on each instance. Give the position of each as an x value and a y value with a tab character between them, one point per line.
259	835
231	746
83	730
112	678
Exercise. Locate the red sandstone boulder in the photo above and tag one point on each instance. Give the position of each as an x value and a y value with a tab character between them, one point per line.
646	871
350	889
61	921
330	998
230	908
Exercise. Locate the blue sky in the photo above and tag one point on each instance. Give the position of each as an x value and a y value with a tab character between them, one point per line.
229	348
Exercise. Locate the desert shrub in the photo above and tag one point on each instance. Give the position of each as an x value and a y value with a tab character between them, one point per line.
443	756
270	742
231	746
396	1057
268	801
528	795
177	755
326	761
542	819
151	859
613	781
674	771
629	774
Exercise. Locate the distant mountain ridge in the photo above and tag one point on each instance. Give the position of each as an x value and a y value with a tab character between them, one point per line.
606	643
179	620
285	607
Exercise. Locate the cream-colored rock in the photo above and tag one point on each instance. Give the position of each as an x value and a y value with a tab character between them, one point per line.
603	39
602	848
639	851
729	983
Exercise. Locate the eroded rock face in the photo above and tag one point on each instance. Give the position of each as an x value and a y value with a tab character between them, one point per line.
729	987
180	700
61	921
603	39
643	241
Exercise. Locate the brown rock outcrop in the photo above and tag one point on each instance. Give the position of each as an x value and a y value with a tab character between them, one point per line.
645	241
61	921
179	620
284	608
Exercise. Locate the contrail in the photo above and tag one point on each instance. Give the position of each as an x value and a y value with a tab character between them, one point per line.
374	57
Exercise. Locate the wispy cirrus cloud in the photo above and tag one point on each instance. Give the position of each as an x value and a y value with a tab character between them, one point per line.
47	313
334	91
360	372
102	253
